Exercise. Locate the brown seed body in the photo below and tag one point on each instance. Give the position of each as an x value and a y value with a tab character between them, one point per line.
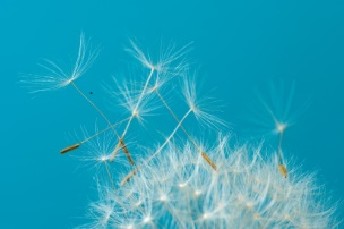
208	160
126	151
70	148
128	177
283	170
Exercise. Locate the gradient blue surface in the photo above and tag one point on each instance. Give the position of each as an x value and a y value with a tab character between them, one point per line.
238	45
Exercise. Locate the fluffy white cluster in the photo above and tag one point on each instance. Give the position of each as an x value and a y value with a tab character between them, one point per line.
179	189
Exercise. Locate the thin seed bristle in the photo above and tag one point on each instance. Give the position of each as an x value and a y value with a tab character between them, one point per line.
208	160
70	148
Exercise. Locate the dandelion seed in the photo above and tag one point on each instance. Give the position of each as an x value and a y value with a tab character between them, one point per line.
103	211
57	78
128	177
128	96
204	155
208	160
279	113
283	170
126	151
158	151
70	148
277	109
198	106
140	55
135	110
171	60
75	146
97	154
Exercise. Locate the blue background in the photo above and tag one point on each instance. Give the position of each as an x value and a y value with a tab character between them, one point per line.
238	45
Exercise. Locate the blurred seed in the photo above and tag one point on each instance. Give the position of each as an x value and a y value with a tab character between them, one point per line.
282	169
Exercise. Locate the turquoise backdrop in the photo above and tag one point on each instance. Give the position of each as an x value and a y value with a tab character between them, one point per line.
237	46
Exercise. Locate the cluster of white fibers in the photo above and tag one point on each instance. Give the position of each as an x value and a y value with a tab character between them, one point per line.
179	189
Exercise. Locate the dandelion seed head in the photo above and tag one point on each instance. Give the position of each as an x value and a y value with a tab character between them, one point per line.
233	198
184	183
